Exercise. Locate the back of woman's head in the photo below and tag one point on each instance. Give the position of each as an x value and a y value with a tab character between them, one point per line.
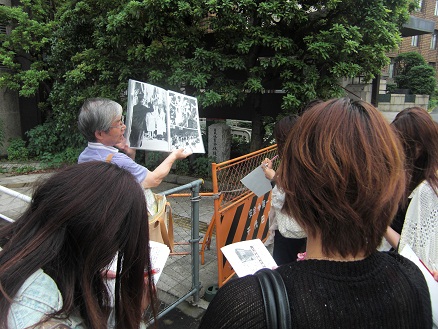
342	175
282	129
419	136
76	223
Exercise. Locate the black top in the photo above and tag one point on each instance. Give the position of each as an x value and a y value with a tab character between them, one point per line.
384	290
399	218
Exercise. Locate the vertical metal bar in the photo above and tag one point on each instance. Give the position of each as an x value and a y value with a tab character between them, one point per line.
195	241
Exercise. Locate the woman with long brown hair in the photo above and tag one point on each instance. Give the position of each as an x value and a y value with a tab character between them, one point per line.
53	256
416	222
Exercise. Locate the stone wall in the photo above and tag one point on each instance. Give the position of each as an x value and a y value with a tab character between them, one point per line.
398	102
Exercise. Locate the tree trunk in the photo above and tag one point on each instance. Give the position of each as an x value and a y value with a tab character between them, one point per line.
258	129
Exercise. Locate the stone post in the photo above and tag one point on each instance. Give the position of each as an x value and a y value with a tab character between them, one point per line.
219	142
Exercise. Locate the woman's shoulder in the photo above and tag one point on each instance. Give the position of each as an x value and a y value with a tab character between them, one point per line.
39	295
237	304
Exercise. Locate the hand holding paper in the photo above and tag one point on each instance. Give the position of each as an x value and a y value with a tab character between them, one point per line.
257	180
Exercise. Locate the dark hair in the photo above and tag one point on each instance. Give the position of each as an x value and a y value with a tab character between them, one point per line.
309	105
282	129
342	174
419	136
78	220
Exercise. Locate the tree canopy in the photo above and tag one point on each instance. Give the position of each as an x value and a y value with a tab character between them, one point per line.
222	52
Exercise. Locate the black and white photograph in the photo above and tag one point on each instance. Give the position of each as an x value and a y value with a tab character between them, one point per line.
245	255
161	120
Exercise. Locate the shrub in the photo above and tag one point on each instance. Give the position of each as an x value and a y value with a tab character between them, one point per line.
413	73
67	157
47	138
239	147
422	80
17	150
182	167
202	167
152	159
390	87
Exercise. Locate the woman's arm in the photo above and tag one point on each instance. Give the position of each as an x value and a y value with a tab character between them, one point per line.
392	237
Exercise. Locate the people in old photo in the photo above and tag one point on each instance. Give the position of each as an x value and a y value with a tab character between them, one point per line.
139	111
162	120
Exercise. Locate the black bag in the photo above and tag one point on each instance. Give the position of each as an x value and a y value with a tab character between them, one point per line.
275	299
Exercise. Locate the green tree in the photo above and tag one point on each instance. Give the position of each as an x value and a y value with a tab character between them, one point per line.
413	73
223	52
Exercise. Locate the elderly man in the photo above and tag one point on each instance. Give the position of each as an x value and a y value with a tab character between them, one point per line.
101	122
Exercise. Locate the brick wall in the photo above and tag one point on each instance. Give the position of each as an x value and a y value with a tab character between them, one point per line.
430	55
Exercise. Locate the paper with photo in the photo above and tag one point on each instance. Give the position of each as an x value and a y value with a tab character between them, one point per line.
162	120
257	182
159	253
247	257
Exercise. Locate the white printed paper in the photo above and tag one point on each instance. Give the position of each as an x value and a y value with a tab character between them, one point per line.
247	257
159	254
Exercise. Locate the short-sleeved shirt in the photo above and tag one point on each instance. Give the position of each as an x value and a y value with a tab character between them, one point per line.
100	152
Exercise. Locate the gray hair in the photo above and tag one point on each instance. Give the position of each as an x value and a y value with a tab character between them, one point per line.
97	114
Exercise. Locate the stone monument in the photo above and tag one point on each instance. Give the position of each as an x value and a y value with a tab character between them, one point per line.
219	142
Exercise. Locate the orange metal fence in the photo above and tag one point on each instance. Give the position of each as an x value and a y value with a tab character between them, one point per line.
238	213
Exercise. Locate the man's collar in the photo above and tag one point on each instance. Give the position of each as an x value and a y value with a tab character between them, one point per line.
94	145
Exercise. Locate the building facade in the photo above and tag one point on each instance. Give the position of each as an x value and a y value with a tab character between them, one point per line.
419	35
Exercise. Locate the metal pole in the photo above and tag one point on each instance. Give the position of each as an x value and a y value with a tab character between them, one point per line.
15	194
195	238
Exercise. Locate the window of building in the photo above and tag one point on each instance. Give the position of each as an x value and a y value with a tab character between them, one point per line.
420	5
414	41
391	69
433	40
436	8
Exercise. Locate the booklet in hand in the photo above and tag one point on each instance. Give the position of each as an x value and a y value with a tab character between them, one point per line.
247	257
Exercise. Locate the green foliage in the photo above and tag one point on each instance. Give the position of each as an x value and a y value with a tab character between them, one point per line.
24	169
153	159
79	49
390	87
413	73
17	150
239	147
182	167
67	157
48	138
403	63
433	102
202	167
422	79
29	40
